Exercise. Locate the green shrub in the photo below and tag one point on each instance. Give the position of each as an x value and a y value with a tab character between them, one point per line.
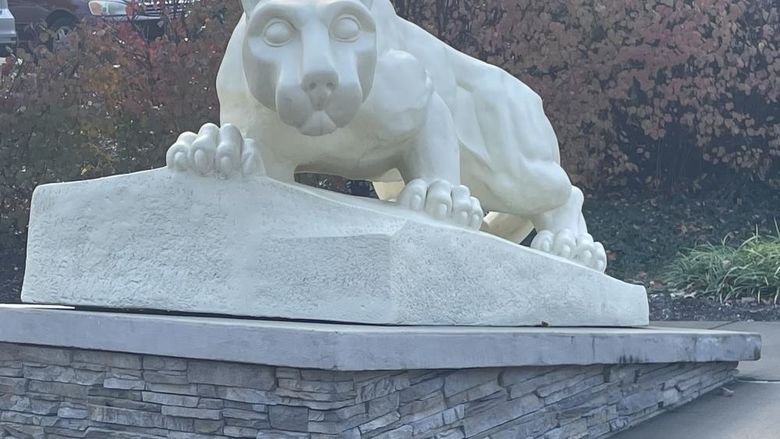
726	272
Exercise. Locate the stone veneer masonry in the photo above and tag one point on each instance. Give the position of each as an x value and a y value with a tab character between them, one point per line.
62	393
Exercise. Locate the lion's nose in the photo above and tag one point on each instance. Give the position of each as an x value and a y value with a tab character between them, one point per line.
319	86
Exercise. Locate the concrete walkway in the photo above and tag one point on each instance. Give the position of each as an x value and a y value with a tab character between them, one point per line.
752	412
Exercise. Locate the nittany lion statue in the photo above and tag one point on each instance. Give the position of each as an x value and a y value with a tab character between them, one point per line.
346	87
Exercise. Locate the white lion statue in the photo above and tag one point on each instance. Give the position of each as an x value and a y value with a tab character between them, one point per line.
346	87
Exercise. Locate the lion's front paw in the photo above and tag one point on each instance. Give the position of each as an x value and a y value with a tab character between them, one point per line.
581	249
443	201
214	150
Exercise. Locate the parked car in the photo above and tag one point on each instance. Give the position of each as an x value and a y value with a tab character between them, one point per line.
7	29
61	16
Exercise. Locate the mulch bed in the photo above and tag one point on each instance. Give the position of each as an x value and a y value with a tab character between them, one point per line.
675	307
10	284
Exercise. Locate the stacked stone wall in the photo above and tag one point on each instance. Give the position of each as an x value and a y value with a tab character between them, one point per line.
57	393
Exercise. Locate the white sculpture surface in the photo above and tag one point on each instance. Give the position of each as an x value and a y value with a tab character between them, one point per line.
341	87
347	87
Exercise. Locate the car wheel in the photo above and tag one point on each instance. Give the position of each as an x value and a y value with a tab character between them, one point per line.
60	30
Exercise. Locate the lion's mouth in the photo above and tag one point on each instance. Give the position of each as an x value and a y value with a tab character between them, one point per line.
318	124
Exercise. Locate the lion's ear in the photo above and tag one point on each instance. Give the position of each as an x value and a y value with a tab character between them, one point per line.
249	5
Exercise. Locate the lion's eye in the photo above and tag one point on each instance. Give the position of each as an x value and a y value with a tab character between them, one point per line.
346	28
278	32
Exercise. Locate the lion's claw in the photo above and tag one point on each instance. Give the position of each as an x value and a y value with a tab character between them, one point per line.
581	249
443	201
214	150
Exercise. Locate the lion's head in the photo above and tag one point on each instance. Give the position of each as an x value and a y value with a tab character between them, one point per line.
311	61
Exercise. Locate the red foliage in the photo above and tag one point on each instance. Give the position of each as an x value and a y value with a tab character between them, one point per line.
651	91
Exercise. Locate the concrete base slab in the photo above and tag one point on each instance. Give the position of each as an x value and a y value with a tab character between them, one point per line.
768	367
360	347
257	247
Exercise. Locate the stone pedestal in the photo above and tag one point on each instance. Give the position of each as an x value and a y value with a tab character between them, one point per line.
257	247
92	375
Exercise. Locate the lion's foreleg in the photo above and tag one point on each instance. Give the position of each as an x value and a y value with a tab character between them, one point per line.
431	168
434	153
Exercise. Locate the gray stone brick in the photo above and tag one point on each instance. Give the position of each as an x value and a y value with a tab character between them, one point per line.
453	415
416	410
326	375
207	390
281	435
179	389
571	386
528	426
244	414
63	375
231	374
288	373
182	435
289	418
638	401
164	363
312	396
258	424
122	384
589	385
72	411
113	359
380	387
405	432
170	399
463	380
422	389
211	403
345	413
476	393
16	386
124	374
13	372
186	412
74	391
166	377
427	425
206	426
517	375
243	432
100	433
247	395
380	406
179	424
455	433
41	407
502	413
16	403
120	416
44	355
125	404
317	386
380	422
